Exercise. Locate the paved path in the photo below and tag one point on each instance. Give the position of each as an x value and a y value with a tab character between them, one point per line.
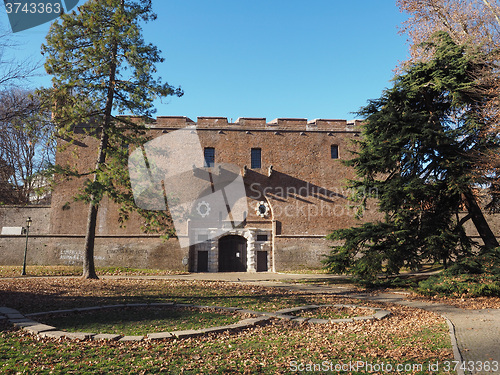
477	332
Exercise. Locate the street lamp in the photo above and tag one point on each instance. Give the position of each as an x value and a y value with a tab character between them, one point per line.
28	224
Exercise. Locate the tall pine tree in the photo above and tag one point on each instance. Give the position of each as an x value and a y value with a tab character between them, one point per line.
420	141
102	67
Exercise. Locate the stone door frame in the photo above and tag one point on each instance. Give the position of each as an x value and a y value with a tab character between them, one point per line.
250	234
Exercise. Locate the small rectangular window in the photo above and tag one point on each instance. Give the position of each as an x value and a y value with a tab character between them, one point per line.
261	237
335	151
209	157
256	158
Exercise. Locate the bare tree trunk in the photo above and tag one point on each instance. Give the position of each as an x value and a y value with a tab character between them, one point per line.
88	260
88	253
479	221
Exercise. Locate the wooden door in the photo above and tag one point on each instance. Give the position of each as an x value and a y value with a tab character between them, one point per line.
261	261
232	254
202	261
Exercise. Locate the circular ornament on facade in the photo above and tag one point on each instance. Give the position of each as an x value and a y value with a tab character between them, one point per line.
262	209
203	209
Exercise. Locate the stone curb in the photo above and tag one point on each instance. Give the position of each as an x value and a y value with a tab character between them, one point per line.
454	345
283	314
53	334
23	323
299	320
251	312
19	320
255	321
159	336
80	335
106	336
84	309
187	333
51	312
7	310
14	316
318	321
39	328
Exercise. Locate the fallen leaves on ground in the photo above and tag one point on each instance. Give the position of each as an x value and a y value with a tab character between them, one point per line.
470	303
407	335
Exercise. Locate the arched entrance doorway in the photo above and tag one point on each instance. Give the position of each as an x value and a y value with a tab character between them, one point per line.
232	254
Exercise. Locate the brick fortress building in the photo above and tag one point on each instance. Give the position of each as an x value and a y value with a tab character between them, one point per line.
294	180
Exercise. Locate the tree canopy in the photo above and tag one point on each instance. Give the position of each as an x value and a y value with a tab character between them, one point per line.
417	157
101	68
467	22
473	22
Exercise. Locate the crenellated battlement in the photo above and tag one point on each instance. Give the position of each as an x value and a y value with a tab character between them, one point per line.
251	121
257	123
173	121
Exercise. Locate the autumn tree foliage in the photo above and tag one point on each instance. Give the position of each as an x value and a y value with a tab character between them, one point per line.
418	152
101	68
475	23
472	22
468	22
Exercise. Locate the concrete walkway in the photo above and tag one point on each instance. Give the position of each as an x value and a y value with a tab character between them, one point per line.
477	332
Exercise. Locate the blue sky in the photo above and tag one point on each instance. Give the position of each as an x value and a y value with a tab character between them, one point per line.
274	58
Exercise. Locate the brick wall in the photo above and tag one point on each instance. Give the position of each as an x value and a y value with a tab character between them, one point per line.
15	216
305	190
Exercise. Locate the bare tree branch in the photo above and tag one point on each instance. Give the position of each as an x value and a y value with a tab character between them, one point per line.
27	146
13	71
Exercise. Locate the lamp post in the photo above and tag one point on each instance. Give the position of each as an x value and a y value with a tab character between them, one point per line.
28	224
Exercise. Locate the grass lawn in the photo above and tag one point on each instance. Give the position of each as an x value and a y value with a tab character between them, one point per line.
408	336
14	271
140	321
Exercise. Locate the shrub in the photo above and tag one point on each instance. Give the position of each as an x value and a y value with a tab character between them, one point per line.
474	276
